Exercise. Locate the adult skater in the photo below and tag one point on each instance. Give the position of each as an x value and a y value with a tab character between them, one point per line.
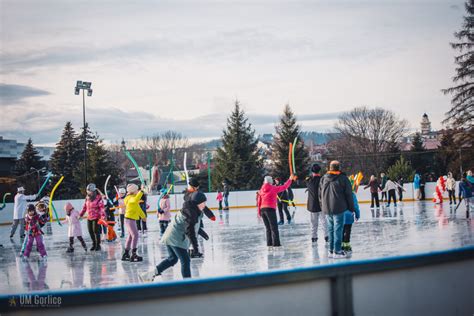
181	233
19	208
267	202
391	188
141	224
466	191
335	194
374	191
314	206
416	186
282	203
226	194
94	206
451	187
133	212
400	182
422	187
383	180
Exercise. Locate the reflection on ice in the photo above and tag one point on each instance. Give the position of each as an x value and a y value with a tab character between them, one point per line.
236	246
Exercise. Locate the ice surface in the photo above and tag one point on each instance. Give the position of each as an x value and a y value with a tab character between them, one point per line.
236	246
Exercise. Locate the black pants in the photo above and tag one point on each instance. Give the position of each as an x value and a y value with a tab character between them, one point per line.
122	224
392	195
271	226
220	205
452	196
400	194
93	227
175	254
346	235
374	197
384	196
141	223
282	206
163	226
422	191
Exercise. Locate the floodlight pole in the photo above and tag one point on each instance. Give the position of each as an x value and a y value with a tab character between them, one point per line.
85	134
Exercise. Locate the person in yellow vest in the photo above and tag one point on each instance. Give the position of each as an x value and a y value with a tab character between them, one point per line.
133	212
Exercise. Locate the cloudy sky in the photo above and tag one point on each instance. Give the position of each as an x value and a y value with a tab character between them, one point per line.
180	65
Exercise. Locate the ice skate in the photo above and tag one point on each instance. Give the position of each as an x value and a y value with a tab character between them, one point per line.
340	255
126	256
149	276
70	250
135	257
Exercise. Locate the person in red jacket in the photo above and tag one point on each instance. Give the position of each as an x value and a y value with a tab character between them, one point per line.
267	202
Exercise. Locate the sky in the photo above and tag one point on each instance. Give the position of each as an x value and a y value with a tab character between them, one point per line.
181	65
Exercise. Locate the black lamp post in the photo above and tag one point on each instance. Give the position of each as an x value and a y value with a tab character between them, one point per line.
83	85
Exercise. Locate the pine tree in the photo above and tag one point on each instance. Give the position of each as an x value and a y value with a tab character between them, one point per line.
63	162
26	168
417	156
286	132
237	160
401	169
461	116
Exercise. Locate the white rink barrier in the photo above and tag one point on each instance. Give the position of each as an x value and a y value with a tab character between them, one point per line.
237	199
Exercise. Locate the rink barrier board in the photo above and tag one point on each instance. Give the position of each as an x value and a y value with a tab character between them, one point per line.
237	199
340	277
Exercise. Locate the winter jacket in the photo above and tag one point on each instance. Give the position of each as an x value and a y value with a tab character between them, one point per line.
32	225
283	197
451	184
165	208
390	185
19	207
219	197
335	193
132	206
348	215
184	226
313	204
417	181
95	208
74	228
226	190
384	182
465	189
470	179
373	185
267	196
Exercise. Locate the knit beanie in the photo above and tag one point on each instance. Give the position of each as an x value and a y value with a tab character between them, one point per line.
315	168
198	197
268	179
132	188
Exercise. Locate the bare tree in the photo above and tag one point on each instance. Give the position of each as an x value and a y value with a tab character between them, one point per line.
365	137
162	145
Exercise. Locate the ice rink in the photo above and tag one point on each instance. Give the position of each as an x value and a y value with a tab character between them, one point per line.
236	246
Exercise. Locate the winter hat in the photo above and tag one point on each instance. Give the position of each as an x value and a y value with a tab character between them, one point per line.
122	191
91	187
31	207
132	188
268	179
315	168
198	197
68	207
194	182
21	189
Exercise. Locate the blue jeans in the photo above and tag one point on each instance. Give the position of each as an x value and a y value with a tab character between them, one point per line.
175	254
226	202
335	227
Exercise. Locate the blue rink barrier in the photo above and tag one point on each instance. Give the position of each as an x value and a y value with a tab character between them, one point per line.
436	283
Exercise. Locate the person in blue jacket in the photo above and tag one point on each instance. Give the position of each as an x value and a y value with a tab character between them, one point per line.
348	221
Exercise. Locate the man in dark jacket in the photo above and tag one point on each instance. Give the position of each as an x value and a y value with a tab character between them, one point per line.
335	194
282	204
313	206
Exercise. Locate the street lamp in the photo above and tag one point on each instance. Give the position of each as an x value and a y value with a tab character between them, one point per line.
33	169
83	85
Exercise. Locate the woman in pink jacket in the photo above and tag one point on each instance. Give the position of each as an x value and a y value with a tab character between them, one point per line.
94	206
74	230
164	215
267	202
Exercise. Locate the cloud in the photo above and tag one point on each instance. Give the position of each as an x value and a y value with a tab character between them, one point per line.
12	93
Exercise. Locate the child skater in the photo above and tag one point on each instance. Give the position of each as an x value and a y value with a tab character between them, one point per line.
74	229
33	222
43	213
164	215
348	221
219	199
121	210
110	219
133	213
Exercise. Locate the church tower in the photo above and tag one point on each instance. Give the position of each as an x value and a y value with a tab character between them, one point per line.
425	125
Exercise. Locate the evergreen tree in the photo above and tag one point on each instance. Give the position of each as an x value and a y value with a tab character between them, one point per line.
393	153
237	160
90	139
401	169
64	160
417	154
460	116
286	131
26	168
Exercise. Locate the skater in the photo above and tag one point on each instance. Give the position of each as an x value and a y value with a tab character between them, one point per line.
110	216
181	233
74	229
391	188
121	210
33	230
400	189
282	204
335	194
219	199
94	207
416	186
451	187
141	224
314	206
374	191
470	177
19	208
164	214
466	191
383	179
44	218
133	213
348	221
267	202
422	187
226	195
